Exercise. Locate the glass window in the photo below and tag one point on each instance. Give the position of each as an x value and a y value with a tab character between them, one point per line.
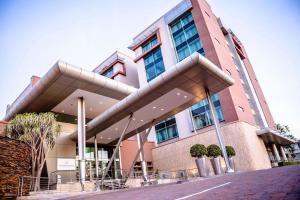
149	44
166	130
202	114
109	73
154	64
186	38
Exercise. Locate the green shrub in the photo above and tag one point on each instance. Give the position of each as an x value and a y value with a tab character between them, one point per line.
286	163
213	150
230	151
198	150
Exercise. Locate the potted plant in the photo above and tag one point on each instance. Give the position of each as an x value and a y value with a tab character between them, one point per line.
198	151
230	152
214	151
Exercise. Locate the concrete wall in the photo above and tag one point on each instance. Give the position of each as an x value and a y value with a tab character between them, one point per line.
128	150
2	127
251	153
64	147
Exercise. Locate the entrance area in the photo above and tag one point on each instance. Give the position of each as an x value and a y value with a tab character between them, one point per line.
104	154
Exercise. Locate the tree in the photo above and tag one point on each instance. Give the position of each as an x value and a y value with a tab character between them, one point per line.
39	131
284	130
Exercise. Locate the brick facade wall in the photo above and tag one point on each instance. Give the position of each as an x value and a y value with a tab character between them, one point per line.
216	50
14	162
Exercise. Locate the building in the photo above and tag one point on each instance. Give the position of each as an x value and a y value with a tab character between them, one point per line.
148	86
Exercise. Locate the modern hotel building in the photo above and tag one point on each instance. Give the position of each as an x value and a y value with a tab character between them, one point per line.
163	86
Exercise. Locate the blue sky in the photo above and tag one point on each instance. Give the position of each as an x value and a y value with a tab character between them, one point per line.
35	34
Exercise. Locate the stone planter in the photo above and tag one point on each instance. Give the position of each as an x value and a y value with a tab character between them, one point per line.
201	166
231	163
216	165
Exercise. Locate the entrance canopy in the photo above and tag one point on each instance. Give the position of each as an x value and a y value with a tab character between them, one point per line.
173	91
61	87
271	136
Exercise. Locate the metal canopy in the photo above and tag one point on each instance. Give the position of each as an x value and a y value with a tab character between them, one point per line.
61	81
270	136
178	88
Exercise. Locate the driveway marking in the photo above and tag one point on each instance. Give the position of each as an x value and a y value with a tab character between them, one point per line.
212	188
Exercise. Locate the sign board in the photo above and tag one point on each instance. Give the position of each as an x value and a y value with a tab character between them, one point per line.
66	164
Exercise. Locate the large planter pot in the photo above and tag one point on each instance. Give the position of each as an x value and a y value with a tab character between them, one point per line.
231	163
201	166
215	162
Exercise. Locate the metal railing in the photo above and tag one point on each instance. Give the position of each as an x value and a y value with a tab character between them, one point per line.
69	181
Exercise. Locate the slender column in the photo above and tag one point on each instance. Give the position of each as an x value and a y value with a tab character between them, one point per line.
275	151
193	121
96	164
81	140
137	154
142	158
218	132
283	154
116	149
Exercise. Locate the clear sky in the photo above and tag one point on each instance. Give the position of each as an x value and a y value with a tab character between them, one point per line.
35	34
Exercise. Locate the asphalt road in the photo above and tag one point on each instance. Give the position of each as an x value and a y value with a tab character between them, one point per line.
277	183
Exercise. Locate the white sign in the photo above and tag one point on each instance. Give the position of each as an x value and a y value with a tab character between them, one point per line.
66	164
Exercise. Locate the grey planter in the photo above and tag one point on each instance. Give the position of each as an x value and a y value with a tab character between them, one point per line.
201	165
215	162
231	163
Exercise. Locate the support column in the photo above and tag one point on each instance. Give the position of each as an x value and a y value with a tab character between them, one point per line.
116	148
139	150
218	132
142	158
283	154
81	140
96	164
275	151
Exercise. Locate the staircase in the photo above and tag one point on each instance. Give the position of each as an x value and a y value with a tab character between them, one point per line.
113	184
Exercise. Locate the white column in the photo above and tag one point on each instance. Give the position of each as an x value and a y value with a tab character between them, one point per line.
81	139
96	158
142	158
283	154
275	151
218	132
96	164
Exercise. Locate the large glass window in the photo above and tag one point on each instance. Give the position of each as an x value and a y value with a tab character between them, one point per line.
149	44
109	73
154	64
166	130
185	36
202	114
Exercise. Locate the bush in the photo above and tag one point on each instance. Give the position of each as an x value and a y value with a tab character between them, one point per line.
281	164
198	151
213	150
230	151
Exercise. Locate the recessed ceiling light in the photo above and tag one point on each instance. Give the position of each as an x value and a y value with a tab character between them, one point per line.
154	107
63	111
133	119
185	96
162	109
101	137
108	138
142	120
178	94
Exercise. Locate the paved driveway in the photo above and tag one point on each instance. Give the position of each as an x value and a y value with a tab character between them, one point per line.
278	183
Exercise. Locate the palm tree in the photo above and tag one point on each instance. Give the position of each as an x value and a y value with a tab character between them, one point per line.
39	131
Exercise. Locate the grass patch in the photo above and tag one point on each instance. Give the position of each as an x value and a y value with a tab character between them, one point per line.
281	164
